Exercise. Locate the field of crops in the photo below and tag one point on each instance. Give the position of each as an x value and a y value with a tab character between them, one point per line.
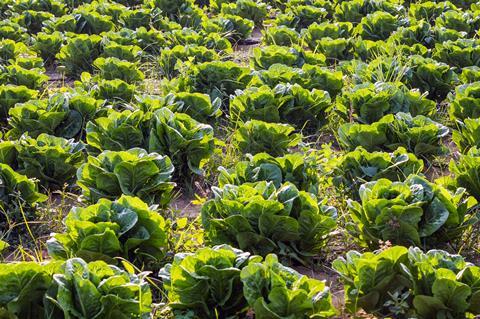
228	159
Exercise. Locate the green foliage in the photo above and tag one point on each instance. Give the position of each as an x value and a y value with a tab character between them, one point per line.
207	282
78	54
133	172
119	131
233	27
31	78
255	103
299	169
114	68
359	166
263	219
466	171
309	77
466	102
429	76
257	137
99	290
410	213
459	53
124	228
470	74
247	9
378	26
467	135
11	95
280	35
52	160
370	102
420	134
444	285
199	106
219	79
61	115
18	194
265	57
371	280
23	287
276	291
410	283
131	53
91	22
331	39
188	142
171	61
48	45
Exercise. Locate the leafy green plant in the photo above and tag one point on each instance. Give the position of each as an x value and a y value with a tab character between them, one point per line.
60	115
299	169
48	45
429	76
257	103
267	56
370	102
445	285
124	228
34	79
280	35
99	290
199	106
420	134
188	142
276	291
52	160
466	171
171	61
359	166
131	53
133	172
331	39
309	77
207	282
257	137
91	22
467	135
459	53
233	27
114	68
466	102
11	95
78	54
24	285
470	74
119	131
248	9
263	219
411	213
378	25
219	79
18	196
372	279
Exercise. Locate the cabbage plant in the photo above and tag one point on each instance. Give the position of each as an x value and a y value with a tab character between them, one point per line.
97	290
276	291
299	169
263	219
272	138
134	173
410	212
188	142
125	228
207	282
